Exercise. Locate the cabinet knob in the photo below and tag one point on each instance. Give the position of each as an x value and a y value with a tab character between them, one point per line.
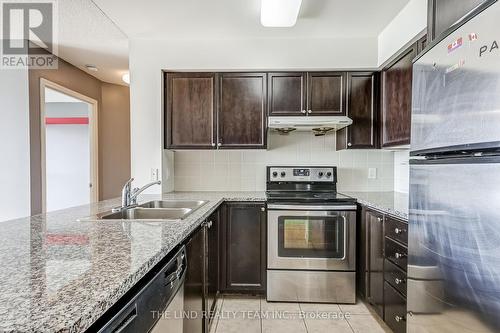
309	111
398	231
399	255
213	144
349	144
398	281
379	219
302	111
262	209
219	144
399	318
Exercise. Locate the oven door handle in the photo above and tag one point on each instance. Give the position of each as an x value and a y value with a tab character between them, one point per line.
301	207
346	236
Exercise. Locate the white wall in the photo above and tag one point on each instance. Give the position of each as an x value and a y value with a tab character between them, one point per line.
245	170
401	171
67	157
14	144
149	57
411	21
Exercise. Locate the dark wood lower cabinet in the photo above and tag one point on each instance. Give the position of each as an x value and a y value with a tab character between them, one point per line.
195	283
244	248
212	265
382	266
395	309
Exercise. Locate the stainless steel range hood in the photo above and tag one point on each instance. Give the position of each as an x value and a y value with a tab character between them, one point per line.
319	125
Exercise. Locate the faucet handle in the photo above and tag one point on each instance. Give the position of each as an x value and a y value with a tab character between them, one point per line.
129	182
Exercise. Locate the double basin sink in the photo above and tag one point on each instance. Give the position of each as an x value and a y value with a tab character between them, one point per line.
157	210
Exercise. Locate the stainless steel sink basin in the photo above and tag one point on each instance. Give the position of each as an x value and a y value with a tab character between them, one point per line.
140	213
193	204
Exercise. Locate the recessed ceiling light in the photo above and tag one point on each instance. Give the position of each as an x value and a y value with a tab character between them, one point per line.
92	68
126	78
279	13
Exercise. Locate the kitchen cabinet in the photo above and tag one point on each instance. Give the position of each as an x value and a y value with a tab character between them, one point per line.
212	265
362	108
442	14
326	93
396	99
242	110
190	103
243	248
215	110
312	93
375	259
287	94
194	284
382	266
422	44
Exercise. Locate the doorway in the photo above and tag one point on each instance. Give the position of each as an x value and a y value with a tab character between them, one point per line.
68	147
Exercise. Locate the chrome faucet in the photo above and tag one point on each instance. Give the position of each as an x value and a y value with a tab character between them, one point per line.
129	195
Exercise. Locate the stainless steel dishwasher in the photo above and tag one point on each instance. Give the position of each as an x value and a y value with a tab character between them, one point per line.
156	307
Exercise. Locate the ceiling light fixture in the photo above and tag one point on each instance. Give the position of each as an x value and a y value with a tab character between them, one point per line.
91	68
279	13
126	78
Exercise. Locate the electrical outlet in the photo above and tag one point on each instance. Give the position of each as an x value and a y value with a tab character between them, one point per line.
154	174
372	173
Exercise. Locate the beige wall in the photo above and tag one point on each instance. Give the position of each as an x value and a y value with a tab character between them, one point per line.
110	124
114	139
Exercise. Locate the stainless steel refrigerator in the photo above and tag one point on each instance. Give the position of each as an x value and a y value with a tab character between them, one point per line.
454	231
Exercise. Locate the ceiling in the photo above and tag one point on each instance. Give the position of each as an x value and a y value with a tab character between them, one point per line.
240	19
87	36
97	31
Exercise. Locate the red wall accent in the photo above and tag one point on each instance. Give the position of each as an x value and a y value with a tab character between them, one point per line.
67	121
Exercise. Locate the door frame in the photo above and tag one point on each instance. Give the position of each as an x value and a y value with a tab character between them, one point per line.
93	131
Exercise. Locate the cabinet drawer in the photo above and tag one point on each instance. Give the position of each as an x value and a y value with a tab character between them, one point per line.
395	309
396	229
396	253
395	276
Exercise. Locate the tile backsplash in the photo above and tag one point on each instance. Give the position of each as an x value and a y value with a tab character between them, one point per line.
245	170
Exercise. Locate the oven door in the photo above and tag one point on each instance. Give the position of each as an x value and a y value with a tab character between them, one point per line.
311	237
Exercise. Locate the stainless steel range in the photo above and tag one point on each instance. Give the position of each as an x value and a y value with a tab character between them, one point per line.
311	255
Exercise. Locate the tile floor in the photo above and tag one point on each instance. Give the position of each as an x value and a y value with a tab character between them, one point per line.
246	314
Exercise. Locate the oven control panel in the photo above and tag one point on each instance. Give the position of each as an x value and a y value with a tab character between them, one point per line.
302	174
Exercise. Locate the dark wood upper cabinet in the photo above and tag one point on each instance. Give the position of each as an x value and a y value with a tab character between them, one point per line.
422	44
190	102
326	93
242	110
442	14
362	109
396	99
287	94
244	248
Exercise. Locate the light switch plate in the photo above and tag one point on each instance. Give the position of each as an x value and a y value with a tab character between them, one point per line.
154	174
372	173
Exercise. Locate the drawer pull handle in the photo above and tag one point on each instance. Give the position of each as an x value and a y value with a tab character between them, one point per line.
399	318
398	255
398	231
399	281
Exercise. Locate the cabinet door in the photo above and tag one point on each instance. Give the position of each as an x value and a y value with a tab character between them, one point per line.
194	285
213	266
442	14
395	309
375	260
242	110
396	100
244	253
287	94
362	109
190	105
422	44
326	93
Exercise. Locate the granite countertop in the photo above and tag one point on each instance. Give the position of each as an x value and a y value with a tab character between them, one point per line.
60	272
392	203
